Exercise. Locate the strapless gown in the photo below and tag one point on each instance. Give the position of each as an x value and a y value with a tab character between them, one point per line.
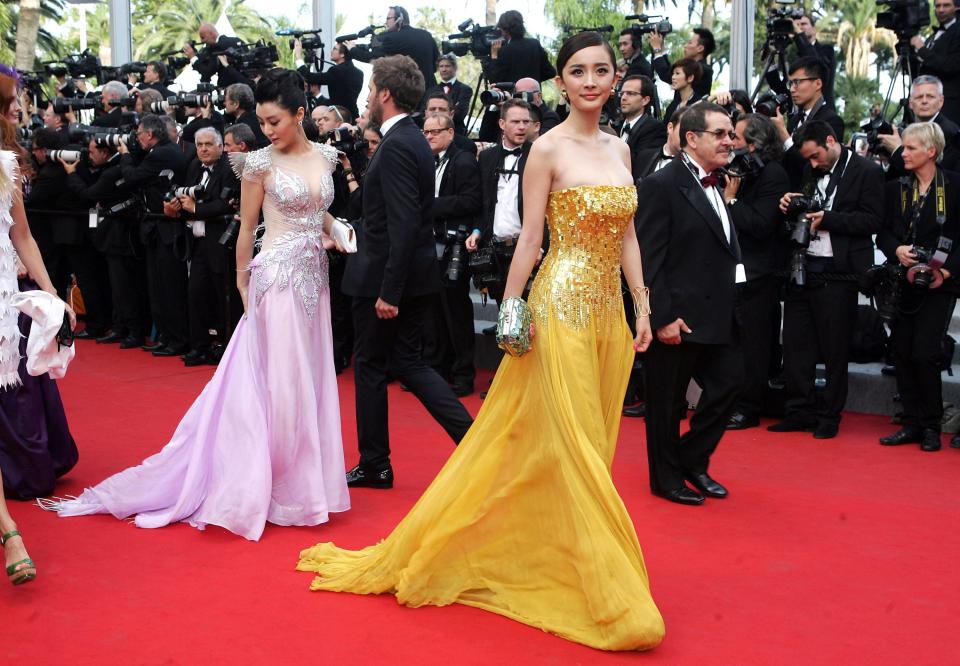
524	520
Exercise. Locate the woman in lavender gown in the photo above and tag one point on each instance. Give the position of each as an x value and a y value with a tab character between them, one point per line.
262	443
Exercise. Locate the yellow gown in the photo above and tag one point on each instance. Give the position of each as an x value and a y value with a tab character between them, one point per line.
524	520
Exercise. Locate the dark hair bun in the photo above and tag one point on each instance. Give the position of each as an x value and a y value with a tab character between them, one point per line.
283	87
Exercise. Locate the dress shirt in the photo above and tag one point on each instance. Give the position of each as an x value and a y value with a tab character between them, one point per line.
715	197
506	217
390	122
441	166
820	244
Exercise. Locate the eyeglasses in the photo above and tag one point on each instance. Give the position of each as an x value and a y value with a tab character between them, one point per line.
719	133
793	83
630	93
436	132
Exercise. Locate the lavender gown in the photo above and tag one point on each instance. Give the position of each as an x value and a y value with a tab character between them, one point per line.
262	442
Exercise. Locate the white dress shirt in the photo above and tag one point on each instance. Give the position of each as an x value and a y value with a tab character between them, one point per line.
820	244
387	124
506	217
715	197
438	172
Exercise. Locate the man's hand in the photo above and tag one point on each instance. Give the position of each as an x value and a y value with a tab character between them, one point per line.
349	45
189	51
655	39
385	310
906	255
69	167
723	97
781	124
172	208
495	47
122	149
472	241
816	219
206	110
785	200
187	203
891	141
917	42
732	187
670	334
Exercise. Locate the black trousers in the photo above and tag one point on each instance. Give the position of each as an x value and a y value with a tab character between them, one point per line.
915	343
396	343
668	369
450	338
759	313
128	283
208	292
341	314
167	284
93	277
818	322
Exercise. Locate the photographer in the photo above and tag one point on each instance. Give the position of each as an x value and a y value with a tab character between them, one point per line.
112	115
926	106
516	56
699	47
631	48
639	129
450	340
201	117
458	92
919	230
755	183
651	160
529	90
939	55
117	236
42	197
211	60
207	208
166	266
831	231
344	81
240	107
400	38
58	122
238	139
155	77
438	102
805	41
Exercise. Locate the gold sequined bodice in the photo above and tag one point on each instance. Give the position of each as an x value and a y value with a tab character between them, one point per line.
579	280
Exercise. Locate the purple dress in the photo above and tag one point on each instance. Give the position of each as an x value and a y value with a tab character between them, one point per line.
262	443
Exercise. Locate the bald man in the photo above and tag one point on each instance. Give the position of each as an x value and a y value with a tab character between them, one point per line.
531	87
209	60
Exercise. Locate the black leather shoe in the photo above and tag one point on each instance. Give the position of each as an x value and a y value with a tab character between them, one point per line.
169	350
87	334
130	343
826	431
955	442
636	412
682	496
462	390
931	440
110	338
739	421
706	485
358	477
152	346
903	436
792	425
196	357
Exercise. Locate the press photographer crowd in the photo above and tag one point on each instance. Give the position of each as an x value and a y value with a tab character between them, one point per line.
131	197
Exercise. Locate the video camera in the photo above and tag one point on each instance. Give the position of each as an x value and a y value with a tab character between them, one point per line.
744	164
345	139
904	17
644	25
798	228
78	65
472	38
369	31
312	43
779	23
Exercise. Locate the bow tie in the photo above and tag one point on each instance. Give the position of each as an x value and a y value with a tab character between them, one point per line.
666	158
626	129
516	151
712	179
436	160
821	173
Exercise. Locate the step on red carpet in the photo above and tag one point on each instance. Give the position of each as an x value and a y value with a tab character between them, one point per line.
827	552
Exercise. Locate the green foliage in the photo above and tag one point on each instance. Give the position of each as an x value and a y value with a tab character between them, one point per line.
47	45
855	97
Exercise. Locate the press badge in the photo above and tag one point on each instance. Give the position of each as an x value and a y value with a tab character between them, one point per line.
94	218
741	274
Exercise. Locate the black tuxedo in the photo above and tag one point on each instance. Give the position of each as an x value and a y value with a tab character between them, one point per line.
701	87
490	162
548	118
646	132
414	42
690	267
951	150
111	118
344	83
941	58
826	55
216	121
819	318
646	161
396	261
639	66
46	188
159	87
249	119
460	94
520	58
793	160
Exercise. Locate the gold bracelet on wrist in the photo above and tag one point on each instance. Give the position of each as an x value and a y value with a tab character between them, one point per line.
641	301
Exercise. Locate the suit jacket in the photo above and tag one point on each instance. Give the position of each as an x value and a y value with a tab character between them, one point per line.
548	117
942	59
826	55
646	161
461	94
688	263
145	175
646	132
675	104
460	201
111	118
344	83
414	42
159	87
793	160
951	151
896	223
856	214
116	234
47	186
211	207
701	87
216	121
758	221
396	255
490	161
518	59
250	120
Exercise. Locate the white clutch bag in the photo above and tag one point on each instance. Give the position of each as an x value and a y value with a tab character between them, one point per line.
344	236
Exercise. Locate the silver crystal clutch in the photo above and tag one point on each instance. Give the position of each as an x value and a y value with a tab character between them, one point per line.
513	327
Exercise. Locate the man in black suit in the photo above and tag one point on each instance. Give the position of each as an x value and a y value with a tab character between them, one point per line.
939	54
457	91
240	107
155	77
112	115
926	105
401	38
544	115
516	56
393	277
344	80
455	210
438	102
211	59
699	47
638	127
691	263
819	316
206	213
631	48
807	45
651	160
806	90
162	164
40	200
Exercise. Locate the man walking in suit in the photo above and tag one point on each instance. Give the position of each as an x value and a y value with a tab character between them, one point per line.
393	277
639	129
691	263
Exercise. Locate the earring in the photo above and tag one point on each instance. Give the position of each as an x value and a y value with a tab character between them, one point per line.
563	93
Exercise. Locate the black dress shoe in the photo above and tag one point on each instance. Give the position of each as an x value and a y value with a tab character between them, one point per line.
153	346
955	441
636	412
130	343
792	425
903	436
110	338
739	421
826	431
931	440
358	477
169	350
462	390
706	485
681	496
87	334
196	357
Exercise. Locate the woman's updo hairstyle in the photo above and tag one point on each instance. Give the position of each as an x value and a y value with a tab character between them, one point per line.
579	41
283	87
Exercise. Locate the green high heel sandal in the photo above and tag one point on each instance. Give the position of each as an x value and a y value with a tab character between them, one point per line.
19	576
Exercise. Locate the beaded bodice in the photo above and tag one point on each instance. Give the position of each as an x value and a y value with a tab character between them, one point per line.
579	280
9	331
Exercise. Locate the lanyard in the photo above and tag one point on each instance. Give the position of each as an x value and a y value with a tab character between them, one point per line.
918	200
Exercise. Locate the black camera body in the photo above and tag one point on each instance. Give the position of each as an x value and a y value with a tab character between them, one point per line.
779	25
454	253
645	25
502	94
769	102
904	17
346	140
744	164
922	274
311	43
884	284
67	104
474	39
799	235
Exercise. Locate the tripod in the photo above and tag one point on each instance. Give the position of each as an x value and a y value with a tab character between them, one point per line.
902	72
775	64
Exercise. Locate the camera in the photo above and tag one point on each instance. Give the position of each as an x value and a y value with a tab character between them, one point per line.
922	274
884	284
473	39
873	128
768	103
502	94
67	104
798	228
311	43
69	156
80	65
192	191
250	58
345	139
904	17
645	26
369	31
133	68
190	100
114	139
779	24
177	62
744	164
454	252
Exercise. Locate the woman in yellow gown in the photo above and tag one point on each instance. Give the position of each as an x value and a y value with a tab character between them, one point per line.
524	519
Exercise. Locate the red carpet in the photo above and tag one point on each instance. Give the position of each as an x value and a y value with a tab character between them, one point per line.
828	552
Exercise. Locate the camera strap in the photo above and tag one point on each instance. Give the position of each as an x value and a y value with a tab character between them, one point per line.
835	177
944	244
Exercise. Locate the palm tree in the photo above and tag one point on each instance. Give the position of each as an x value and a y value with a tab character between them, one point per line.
491	13
28	28
858	34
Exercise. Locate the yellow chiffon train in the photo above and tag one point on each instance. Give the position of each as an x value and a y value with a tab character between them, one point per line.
524	520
